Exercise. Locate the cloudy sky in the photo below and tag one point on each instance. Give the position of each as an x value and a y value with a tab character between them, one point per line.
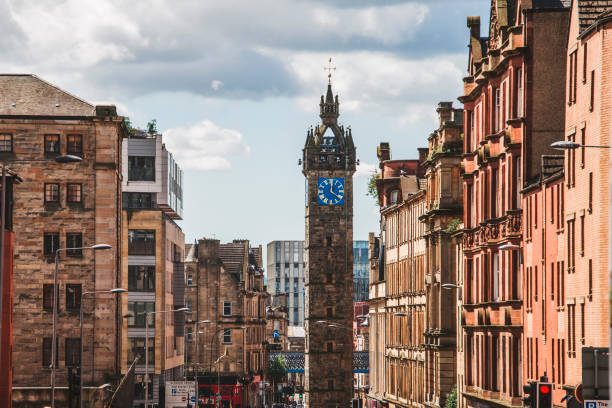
234	84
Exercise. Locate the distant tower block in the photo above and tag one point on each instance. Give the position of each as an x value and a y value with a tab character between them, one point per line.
329	165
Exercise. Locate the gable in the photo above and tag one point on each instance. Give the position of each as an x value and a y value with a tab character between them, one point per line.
31	96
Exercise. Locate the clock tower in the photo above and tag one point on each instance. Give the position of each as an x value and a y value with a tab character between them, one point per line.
329	165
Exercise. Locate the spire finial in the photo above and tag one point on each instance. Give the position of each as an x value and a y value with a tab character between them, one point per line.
329	70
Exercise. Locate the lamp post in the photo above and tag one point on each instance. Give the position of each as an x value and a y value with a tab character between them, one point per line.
182	309
55	300
213	338
113	291
196	357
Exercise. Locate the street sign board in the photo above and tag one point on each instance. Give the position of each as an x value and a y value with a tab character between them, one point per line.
177	393
595	385
596	404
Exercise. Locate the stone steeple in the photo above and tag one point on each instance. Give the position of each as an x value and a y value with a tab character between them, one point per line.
329	107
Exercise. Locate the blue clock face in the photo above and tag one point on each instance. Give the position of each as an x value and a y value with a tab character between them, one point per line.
330	191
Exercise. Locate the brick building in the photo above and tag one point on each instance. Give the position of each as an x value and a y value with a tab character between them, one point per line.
397	285
543	296
62	205
588	103
224	284
514	107
152	267
444	200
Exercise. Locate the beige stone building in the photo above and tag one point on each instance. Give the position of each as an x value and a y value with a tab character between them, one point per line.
224	284
152	262
62	205
442	217
397	285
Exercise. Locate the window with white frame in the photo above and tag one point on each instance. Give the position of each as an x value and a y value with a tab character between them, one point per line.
189	280
394	196
227	308
227	336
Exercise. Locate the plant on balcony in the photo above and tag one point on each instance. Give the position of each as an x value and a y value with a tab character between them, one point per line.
453	226
451	398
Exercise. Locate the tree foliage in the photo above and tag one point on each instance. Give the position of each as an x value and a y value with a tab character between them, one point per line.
451	399
278	368
152	126
372	190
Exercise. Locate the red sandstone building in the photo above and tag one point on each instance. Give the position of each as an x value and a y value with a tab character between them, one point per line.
588	100
514	109
6	296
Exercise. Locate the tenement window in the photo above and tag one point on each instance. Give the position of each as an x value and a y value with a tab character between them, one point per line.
497	111
46	351
52	144
73	296
73	352
74	193
136	201
592	98
519	93
6	142
48	296
227	308
74	144
227	336
51	193
50	243
572	78
141	168
74	240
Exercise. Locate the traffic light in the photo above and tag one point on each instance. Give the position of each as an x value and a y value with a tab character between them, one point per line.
544	395
529	393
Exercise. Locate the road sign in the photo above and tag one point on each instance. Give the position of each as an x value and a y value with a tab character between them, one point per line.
177	393
596	404
192	399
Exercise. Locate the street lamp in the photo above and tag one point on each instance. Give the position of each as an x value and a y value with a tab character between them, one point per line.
510	247
55	300
182	309
567	145
196	359
115	291
449	286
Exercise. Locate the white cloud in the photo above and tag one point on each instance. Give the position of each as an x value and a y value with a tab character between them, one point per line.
380	82
365	169
216	84
128	48
205	146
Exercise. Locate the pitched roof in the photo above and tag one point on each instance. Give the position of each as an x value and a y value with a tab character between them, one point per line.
233	255
190	250
25	94
590	10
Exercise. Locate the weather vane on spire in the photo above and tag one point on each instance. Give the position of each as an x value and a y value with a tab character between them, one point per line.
329	69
